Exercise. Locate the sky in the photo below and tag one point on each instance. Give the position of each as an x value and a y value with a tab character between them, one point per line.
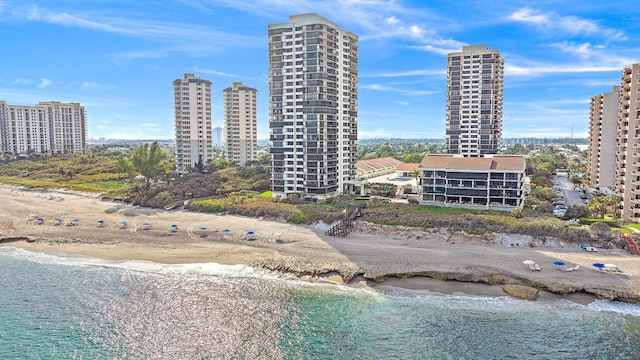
118	58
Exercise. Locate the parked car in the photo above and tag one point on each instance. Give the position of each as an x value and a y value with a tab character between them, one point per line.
559	212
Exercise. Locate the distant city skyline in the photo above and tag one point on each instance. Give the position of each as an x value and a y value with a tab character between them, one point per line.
118	59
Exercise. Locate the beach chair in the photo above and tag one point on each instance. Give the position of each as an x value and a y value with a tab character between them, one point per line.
174	227
123	225
570	269
100	223
250	235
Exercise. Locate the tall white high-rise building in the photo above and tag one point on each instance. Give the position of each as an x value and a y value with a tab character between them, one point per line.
474	101
628	155
603	131
313	95
217	136
241	122
49	127
192	97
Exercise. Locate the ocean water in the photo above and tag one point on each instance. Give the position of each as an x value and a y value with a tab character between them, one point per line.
68	307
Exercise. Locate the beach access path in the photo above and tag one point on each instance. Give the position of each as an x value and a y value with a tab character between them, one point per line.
28	220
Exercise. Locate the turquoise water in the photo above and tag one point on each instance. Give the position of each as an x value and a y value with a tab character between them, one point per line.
61	307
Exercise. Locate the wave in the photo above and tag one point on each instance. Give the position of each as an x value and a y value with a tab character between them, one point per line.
245	271
214	269
238	271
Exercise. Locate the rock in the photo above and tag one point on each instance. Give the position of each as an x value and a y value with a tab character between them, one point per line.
521	291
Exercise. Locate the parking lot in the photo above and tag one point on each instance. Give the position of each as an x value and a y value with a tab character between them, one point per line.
568	195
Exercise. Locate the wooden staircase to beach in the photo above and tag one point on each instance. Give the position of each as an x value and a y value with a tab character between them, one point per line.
345	225
632	245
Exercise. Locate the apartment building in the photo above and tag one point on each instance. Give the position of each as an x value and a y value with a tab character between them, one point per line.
603	131
49	127
628	154
241	122
192	109
217	136
492	182
313	94
474	101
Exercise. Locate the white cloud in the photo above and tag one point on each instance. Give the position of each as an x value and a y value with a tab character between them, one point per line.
138	27
416	31
20	81
214	72
572	25
544	69
391	20
44	83
529	15
405	103
90	85
584	50
381	87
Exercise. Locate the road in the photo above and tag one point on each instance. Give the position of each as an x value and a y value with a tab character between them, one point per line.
569	194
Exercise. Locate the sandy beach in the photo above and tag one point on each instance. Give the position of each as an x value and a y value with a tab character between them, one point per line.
363	258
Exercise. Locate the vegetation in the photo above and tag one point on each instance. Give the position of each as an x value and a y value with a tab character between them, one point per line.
144	176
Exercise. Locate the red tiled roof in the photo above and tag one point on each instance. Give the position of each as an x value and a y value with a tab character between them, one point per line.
495	162
374	164
406	167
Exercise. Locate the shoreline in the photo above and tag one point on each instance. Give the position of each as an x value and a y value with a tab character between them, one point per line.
412	286
388	260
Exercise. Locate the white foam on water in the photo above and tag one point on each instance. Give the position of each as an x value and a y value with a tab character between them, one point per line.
616	307
212	269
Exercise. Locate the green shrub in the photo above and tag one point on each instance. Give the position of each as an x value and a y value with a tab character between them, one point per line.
297	218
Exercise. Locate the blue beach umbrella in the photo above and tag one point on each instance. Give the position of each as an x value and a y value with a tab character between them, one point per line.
203	228
599	265
250	232
174	226
226	230
559	263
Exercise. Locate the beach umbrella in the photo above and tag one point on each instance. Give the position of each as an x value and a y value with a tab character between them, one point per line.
203	228
599	265
123	224
528	262
226	230
559	263
250	232
174	226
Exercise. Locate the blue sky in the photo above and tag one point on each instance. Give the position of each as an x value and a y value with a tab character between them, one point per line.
118	58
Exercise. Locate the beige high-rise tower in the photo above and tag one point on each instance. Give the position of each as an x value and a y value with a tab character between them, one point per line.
603	128
628	155
192	109
474	101
313	95
241	122
49	127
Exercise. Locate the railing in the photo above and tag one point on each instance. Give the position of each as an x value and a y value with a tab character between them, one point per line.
345	226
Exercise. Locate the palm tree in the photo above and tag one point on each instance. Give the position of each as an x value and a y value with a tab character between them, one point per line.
416	175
